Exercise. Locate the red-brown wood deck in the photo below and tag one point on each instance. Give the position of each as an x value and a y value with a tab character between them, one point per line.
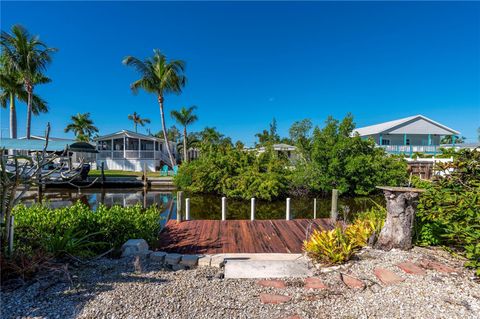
238	236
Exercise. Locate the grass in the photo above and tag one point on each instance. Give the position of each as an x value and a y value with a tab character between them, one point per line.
119	173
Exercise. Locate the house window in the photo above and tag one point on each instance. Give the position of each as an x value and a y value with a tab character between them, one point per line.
104	145
407	141
385	142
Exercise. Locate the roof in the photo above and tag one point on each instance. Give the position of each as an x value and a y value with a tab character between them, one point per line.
37	137
128	134
278	147
32	145
417	124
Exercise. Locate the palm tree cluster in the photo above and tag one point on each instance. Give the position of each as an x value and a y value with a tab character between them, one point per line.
23	60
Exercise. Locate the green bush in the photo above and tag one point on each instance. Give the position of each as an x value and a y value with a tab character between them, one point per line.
78	230
449	211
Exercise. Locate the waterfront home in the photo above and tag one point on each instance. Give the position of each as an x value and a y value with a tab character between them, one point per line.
281	149
129	151
414	134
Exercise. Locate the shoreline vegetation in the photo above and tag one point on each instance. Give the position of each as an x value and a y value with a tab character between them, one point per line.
326	158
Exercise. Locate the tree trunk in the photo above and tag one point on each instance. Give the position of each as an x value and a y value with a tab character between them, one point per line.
13	117
185	153
398	229
29	89
164	129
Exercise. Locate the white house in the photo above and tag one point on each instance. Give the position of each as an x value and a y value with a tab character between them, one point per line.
129	151
408	135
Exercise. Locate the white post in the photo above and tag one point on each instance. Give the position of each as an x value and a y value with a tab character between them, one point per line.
224	208
314	208
252	209
187	208
288	217
179	206
10	237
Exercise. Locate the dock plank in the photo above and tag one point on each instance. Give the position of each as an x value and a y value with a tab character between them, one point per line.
238	236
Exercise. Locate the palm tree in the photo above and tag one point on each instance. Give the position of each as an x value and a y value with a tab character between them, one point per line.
11	90
82	126
185	117
159	76
137	120
28	57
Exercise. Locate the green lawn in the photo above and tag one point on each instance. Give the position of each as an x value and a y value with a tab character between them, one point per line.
118	173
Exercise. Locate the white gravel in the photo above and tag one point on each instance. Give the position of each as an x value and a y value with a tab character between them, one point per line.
111	289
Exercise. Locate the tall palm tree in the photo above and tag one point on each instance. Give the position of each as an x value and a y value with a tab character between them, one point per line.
82	126
11	90
185	117
137	120
28	57
159	76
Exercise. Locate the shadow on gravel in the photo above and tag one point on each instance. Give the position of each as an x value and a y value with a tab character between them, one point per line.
64	296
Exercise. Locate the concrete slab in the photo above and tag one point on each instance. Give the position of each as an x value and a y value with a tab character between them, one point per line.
204	261
189	260
267	269
172	259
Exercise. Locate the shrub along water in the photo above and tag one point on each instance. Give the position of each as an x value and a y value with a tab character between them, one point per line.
78	230
449	211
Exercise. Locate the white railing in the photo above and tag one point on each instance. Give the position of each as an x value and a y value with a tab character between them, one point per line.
410	149
131	154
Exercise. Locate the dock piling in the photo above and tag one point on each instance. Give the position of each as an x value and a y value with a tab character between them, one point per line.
252	209
179	206
288	216
334	211
224	208
187	208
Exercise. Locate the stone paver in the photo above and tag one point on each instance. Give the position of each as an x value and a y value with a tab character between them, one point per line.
352	282
272	283
292	317
314	283
204	261
411	268
189	260
172	259
387	277
158	256
274	299
262	269
435	265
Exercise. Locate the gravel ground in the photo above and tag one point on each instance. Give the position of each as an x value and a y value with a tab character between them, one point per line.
111	289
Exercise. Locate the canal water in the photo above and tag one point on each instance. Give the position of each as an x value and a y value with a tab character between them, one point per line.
203	206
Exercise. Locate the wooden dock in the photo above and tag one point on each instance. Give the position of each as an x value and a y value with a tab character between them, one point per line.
238	236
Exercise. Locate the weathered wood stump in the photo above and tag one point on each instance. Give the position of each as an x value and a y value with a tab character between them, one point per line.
401	205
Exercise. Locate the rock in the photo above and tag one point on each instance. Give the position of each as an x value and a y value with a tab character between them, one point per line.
387	277
204	261
274	299
172	259
435	265
314	283
411	268
189	260
158	257
271	283
352	282
134	247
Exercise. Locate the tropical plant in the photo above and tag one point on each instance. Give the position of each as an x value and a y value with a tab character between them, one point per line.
185	117
27	57
268	136
448	139
337	246
159	76
82	126
448	212
137	120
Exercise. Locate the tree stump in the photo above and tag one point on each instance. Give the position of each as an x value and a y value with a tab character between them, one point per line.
401	206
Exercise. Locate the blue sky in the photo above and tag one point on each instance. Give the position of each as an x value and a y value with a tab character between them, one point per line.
248	62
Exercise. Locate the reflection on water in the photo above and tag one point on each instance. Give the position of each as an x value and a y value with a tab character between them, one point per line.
201	206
